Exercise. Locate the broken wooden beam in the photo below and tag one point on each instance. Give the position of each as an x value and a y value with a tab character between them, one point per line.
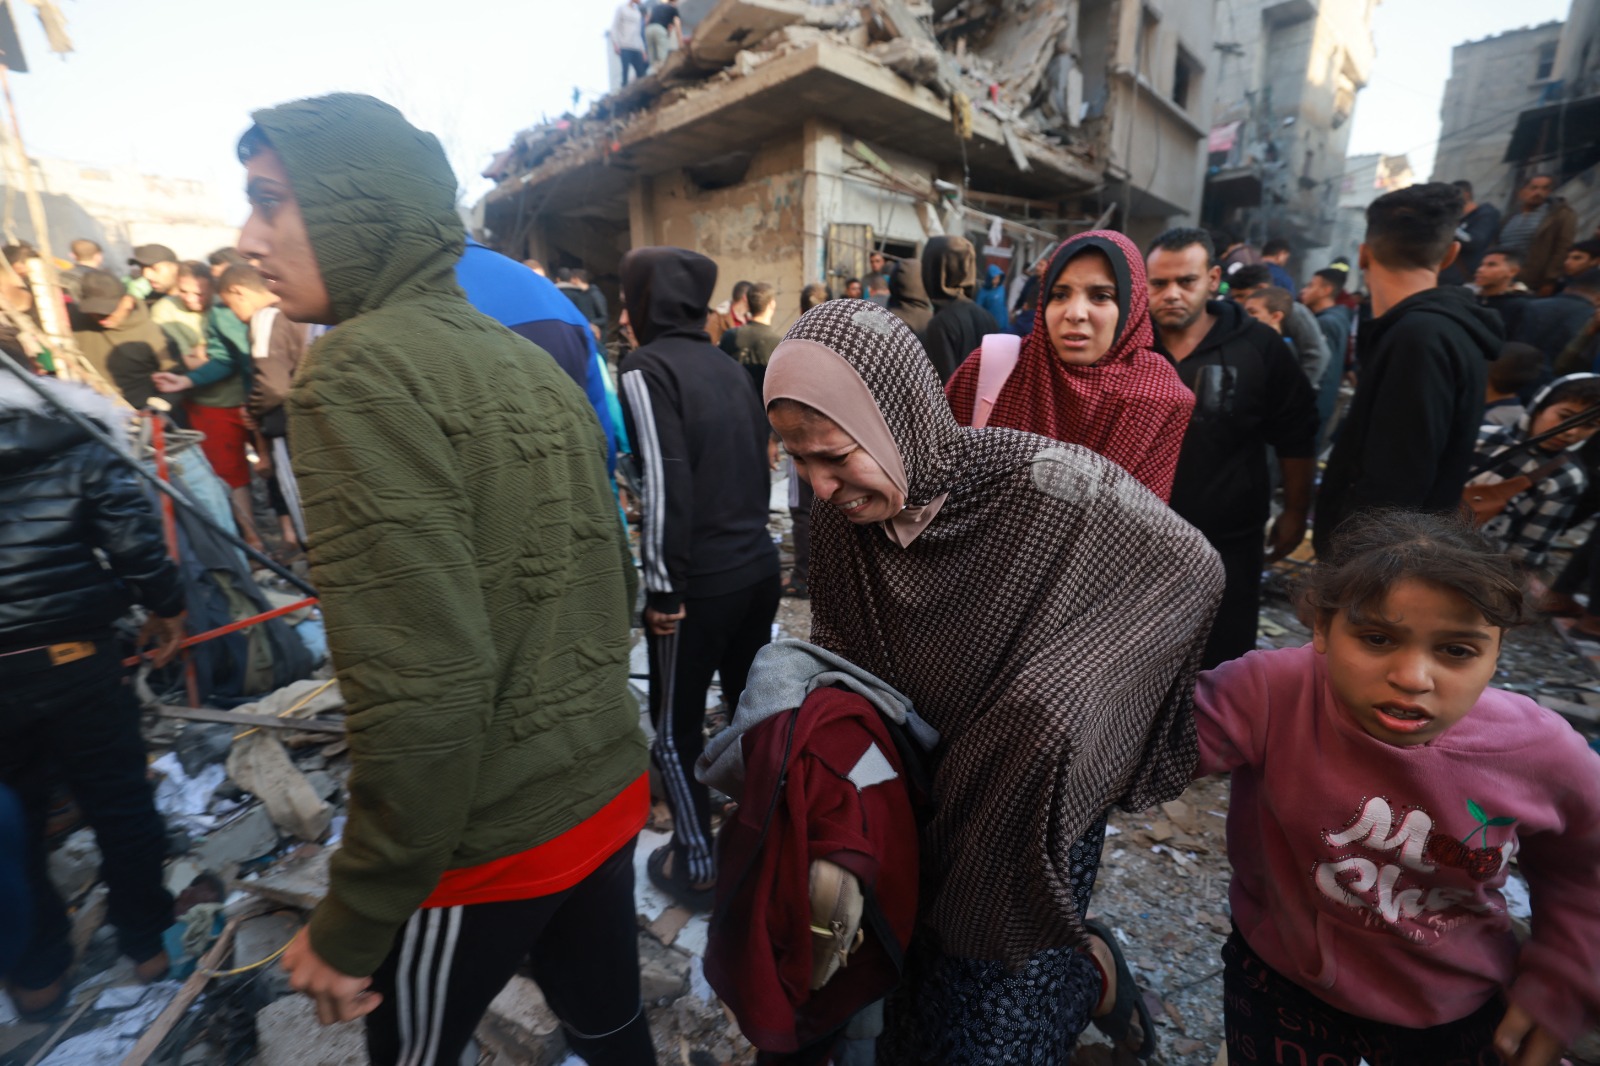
258	721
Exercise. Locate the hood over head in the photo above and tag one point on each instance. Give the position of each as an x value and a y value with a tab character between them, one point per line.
377	194
993	274
950	268
666	291
905	286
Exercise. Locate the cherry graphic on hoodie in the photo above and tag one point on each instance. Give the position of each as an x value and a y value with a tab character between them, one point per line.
1479	863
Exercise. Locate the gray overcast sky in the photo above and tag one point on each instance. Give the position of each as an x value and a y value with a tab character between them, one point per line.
1398	111
169	84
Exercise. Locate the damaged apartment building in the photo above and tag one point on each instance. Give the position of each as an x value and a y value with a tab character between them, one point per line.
788	139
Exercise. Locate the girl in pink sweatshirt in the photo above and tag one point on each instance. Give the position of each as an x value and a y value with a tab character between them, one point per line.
1381	790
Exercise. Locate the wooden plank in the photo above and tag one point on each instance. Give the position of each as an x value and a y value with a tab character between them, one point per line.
162	1026
257	721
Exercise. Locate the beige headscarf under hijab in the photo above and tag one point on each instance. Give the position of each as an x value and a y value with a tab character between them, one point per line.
817	376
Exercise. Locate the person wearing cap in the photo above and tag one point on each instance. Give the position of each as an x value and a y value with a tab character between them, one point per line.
157	267
116	335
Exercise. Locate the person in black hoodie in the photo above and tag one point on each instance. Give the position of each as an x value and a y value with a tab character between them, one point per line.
82	544
908	300
1408	438
950	274
1249	393
710	568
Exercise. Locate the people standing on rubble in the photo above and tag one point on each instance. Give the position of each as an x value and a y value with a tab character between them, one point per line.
476	607
115	334
213	385
83	544
958	326
710	569
277	344
627	39
1251	401
908	299
1408	437
1088	373
663	33
1380	789
972	572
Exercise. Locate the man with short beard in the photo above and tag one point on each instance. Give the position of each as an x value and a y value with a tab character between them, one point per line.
1249	394
1540	233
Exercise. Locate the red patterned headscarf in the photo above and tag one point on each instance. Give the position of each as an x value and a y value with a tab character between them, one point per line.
1130	407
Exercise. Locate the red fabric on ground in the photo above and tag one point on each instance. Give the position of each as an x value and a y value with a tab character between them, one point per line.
224	444
555	865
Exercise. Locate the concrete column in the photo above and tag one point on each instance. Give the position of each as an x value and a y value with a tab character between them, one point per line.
820	200
641	213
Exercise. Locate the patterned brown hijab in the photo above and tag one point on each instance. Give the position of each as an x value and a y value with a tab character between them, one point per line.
1048	622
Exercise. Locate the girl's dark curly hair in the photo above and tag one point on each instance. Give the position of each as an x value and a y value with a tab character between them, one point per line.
1373	552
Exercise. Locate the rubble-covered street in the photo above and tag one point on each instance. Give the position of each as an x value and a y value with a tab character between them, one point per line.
247	865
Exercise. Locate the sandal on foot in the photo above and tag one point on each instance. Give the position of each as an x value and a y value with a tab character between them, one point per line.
676	884
796	590
1130	1001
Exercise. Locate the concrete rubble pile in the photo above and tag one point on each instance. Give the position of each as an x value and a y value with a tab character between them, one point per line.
255	813
1014	60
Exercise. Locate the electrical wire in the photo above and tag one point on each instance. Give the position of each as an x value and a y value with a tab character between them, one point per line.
251	966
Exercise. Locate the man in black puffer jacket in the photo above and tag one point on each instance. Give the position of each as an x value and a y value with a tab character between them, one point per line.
80	544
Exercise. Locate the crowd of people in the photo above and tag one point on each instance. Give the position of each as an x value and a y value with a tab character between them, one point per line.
1033	541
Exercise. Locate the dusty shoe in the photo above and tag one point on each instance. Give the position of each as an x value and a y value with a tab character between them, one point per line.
1586	627
40	1004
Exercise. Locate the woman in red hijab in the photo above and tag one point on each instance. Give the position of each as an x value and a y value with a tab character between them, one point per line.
1088	373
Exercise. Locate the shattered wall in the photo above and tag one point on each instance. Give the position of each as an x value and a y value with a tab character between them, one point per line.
753	229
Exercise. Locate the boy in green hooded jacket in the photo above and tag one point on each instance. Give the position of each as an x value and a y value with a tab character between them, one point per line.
476	587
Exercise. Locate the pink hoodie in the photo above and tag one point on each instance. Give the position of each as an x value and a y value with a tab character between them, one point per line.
1351	877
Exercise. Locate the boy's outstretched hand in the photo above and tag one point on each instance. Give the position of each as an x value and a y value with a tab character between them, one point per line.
1522	1041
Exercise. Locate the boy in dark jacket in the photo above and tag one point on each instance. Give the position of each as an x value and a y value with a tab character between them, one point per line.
65	703
476	588
1424	358
710	569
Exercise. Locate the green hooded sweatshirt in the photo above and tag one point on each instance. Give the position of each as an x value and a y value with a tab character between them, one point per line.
473	571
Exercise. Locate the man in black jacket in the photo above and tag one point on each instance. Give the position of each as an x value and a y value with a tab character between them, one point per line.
1249	393
710	568
1424	359
1550	322
66	709
1479	224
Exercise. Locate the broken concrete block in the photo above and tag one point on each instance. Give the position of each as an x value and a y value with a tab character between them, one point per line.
323	784
521	1027
299	880
260	763
663	974
289	1035
248	836
75	865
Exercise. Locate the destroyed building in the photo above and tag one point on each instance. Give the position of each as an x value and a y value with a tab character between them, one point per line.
1288	73
788	139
